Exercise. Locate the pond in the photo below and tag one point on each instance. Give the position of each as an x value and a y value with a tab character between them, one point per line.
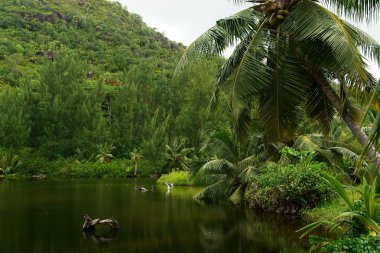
47	216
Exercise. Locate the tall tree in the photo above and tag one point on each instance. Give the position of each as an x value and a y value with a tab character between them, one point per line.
292	58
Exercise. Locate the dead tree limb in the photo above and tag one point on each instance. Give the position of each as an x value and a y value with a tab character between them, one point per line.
89	224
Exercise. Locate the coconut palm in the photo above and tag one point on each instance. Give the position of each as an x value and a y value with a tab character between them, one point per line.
230	168
292	58
136	156
105	153
331	151
177	155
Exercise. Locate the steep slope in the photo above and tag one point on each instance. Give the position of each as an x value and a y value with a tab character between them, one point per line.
77	76
100	32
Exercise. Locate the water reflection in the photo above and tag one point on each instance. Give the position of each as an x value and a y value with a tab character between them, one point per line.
46	216
103	237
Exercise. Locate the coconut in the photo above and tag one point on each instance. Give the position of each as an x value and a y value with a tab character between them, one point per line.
283	12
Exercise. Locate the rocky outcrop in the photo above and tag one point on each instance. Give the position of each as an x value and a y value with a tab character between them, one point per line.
51	18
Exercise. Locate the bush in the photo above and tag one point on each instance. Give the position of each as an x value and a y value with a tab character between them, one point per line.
95	170
33	165
115	169
367	244
288	188
176	177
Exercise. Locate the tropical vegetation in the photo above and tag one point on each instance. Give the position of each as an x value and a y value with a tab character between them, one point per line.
88	90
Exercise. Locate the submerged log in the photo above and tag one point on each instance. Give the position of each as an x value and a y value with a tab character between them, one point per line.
89	224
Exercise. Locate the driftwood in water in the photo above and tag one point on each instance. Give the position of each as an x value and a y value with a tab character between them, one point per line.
89	224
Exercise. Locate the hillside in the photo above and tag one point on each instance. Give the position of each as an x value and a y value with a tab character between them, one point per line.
106	36
77	76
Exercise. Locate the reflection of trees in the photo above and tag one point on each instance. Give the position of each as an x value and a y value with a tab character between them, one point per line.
254	231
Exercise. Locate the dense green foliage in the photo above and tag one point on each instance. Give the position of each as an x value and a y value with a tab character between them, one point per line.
176	177
362	244
120	168
76	76
288	188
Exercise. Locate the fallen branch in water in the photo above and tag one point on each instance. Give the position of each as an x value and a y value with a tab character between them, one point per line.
89	224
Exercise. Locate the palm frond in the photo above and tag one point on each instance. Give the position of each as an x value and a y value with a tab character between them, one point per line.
319	108
346	153
311	227
311	21
217	166
214	192
304	142
338	188
222	144
237	195
247	174
224	34
356	9
367	45
280	101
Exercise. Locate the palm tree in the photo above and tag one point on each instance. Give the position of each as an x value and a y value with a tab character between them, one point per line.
292	58
230	168
136	156
105	153
177	155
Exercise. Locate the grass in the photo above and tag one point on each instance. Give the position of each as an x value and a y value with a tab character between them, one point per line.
331	209
176	177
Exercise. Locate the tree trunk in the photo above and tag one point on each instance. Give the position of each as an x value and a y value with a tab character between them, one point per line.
135	172
354	126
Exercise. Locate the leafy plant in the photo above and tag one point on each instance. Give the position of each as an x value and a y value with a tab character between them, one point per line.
105	153
176	177
9	162
288	188
177	155
231	168
363	243
362	216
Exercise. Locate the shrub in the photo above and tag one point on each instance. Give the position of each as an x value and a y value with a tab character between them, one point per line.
115	169
288	188
32	165
364	243
361	216
176	177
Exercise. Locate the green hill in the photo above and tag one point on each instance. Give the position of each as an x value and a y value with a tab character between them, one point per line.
109	38
80	75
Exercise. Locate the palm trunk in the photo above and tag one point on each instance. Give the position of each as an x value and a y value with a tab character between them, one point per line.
347	117
135	172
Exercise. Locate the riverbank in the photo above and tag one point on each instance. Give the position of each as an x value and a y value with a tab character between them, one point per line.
121	168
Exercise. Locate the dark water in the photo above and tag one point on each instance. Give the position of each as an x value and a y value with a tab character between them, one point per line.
47	216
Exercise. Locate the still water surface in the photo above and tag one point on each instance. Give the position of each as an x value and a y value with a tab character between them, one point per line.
47	215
